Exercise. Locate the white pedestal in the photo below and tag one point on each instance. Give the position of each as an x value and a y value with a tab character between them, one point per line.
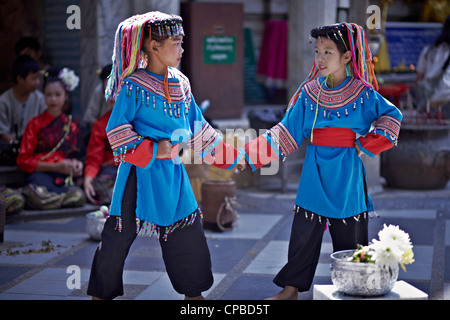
401	291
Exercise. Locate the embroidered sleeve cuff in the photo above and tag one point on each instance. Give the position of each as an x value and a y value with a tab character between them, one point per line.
281	136
122	136
388	126
205	141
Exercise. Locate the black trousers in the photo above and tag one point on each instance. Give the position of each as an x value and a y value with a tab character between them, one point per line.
185	253
306	240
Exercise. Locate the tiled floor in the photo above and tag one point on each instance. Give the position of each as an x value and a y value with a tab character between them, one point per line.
244	260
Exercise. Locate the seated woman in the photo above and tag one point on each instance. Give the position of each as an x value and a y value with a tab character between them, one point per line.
100	170
433	74
50	148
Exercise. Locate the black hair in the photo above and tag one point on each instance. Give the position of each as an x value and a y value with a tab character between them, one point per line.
334	33
154	36
27	42
106	71
23	65
444	37
161	31
52	75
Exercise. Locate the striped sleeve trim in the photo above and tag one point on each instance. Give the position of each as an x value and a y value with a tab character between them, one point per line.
389	125
204	141
281	136
122	136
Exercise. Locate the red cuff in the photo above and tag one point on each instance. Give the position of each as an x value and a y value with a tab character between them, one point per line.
143	155
259	153
224	157
375	143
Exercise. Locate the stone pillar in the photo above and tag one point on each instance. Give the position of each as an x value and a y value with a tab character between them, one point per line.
99	23
303	16
358	15
358	10
88	49
111	13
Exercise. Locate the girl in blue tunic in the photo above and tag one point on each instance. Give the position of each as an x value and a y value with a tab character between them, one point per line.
343	116
155	110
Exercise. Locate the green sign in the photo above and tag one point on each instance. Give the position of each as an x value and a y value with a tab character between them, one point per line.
220	49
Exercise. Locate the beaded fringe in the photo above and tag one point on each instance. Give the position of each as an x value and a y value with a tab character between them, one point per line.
146	228
310	216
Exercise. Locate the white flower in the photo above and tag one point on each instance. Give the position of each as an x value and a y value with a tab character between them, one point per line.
386	254
399	237
393	248
69	78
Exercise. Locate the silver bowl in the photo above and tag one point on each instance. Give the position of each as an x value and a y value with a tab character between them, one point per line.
94	227
360	279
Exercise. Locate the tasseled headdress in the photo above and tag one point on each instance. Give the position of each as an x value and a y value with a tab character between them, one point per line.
128	55
351	37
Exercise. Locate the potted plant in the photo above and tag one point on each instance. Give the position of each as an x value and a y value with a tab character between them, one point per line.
372	270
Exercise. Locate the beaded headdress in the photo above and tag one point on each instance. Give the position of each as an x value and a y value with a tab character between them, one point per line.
350	37
128	55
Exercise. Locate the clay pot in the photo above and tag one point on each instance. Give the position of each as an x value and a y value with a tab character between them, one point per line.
218	199
422	159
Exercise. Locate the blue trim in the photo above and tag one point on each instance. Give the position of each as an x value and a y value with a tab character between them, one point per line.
238	158
247	158
155	151
370	154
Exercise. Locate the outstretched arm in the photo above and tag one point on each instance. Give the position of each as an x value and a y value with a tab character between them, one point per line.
278	142
208	144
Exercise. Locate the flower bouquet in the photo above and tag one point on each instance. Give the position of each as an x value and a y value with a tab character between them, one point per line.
95	221
372	270
394	248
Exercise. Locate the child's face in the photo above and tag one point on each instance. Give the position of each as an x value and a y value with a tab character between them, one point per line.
31	82
55	96
329	59
171	51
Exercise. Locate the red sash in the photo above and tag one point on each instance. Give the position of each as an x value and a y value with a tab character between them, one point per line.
334	137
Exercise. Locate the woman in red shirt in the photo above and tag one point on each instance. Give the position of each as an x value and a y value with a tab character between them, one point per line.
50	144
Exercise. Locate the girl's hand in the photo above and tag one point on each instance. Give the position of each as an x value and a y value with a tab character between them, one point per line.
77	167
358	150
164	149
69	166
64	167
241	166
89	189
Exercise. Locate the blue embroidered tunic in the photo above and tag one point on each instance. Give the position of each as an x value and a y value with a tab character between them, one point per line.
140	118
333	177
